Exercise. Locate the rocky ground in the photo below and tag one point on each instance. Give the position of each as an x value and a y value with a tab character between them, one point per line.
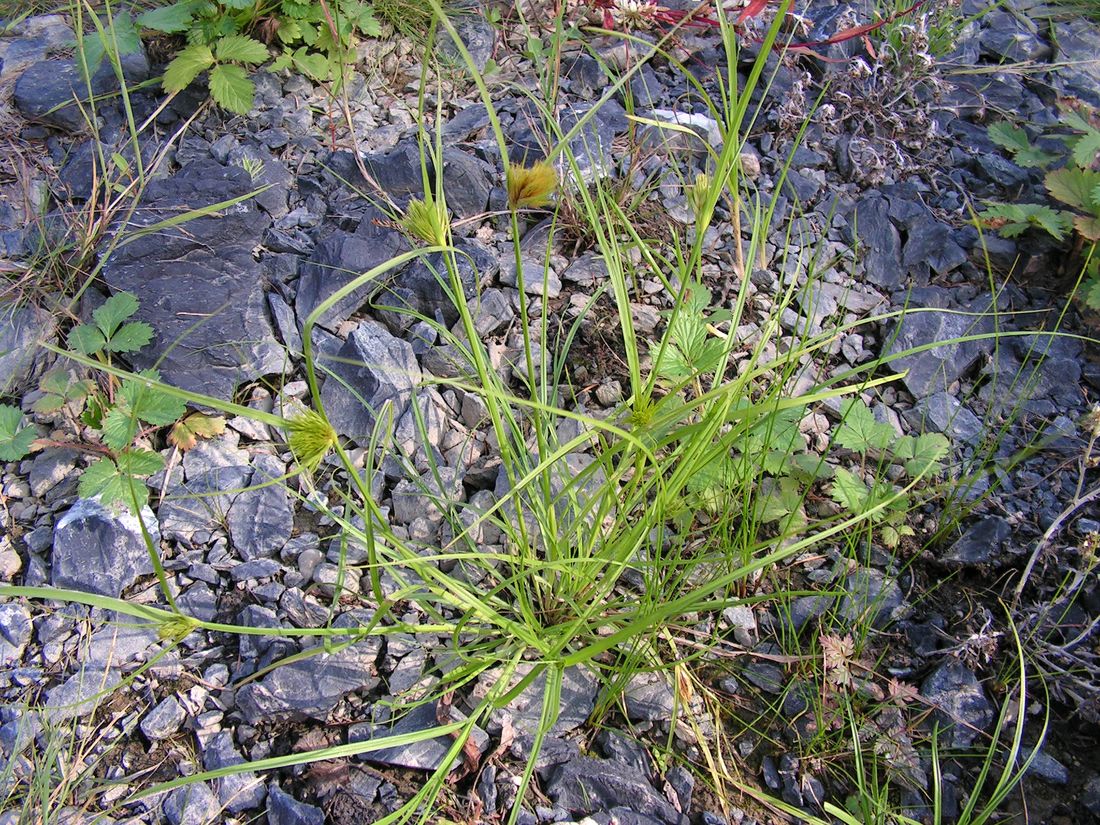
880	186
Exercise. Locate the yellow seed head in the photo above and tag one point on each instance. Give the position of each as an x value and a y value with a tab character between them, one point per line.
427	220
531	186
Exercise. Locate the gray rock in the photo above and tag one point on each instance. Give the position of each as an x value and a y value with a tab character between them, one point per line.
427	497
397	171
117	645
424	287
591	147
163	720
624	750
1078	44
15	633
261	518
934	370
274	178
931	245
283	809
1011	38
478	36
80	694
427	754
191	804
47	91
199	286
51	468
99	551
588	270
871	595
961	704
467	182
1046	767
649	698
336	262
1090	796
878	242
982	543
30	40
237	792
578	699
311	687
23	329
372	368
586	785
537	278
943	413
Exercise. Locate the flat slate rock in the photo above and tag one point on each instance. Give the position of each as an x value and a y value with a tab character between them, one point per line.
22	330
586	785
47	91
199	286
311	687
97	550
426	755
372	368
961	704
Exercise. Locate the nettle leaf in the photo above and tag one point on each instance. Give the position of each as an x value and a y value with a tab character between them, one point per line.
171	19
1015	140
849	492
241	49
921	454
186	66
859	431
116	309
1073	187
86	339
231	88
15	438
149	403
186	432
131	337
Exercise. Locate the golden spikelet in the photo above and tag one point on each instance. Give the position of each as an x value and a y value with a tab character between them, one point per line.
531	186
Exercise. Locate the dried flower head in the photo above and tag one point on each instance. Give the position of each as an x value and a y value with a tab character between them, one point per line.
634	14
531	186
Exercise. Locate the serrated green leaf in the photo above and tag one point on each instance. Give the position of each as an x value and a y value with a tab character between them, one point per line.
148	403
186	66
15	438
241	49
103	478
132	337
238	5
921	454
849	492
1054	222
1085	149
313	64
85	339
119	427
290	31
113	312
171	19
859	431
367	23
139	462
56	381
1073	187
231	88
777	499
1090	293
1015	140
